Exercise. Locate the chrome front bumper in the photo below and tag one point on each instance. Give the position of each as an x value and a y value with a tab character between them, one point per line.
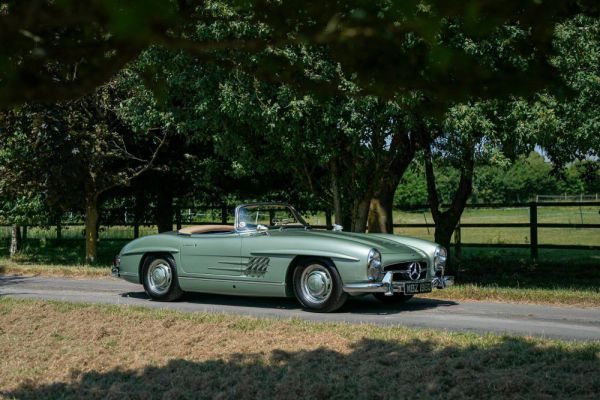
389	287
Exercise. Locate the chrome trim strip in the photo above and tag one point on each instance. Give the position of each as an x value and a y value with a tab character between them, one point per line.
314	253
233	280
128	274
230	262
224	269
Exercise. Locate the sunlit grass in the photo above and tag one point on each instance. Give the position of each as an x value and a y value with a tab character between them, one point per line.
560	296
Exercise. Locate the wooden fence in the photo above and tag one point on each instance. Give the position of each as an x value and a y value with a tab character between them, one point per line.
123	227
533	225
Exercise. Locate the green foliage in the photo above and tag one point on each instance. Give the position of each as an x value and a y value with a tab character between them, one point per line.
520	181
55	50
569	126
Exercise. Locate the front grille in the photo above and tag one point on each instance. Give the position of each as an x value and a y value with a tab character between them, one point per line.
401	271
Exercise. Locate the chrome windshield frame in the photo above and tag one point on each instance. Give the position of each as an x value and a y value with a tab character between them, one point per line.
296	214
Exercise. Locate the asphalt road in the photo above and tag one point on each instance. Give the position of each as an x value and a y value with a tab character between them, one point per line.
480	317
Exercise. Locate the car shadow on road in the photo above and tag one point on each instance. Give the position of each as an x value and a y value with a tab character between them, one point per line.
6	280
361	305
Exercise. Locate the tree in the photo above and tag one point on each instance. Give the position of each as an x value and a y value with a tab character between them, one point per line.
57	50
79	150
468	134
569	126
20	199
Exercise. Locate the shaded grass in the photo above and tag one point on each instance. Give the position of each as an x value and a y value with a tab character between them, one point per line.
67	350
58	258
64	252
554	269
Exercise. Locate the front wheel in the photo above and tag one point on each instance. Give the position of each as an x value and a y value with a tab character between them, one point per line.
318	286
396	298
160	278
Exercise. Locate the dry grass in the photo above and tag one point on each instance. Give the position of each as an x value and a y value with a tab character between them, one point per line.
64	350
10	267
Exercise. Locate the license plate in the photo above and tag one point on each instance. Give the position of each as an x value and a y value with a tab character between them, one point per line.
412	288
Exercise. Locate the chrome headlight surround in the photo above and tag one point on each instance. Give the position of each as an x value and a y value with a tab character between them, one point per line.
374	270
439	258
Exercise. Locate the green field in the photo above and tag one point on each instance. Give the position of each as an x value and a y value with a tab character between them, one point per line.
565	215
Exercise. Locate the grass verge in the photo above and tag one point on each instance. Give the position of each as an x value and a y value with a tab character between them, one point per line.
575	297
67	350
10	267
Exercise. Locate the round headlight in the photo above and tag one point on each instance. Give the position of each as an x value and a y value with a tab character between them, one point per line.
374	270
439	259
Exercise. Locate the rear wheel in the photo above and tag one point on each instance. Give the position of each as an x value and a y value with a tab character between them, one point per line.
396	298
318	286
160	278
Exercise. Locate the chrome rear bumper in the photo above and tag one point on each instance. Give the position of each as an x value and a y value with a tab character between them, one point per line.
387	286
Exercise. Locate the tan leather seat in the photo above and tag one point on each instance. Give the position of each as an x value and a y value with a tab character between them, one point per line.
200	229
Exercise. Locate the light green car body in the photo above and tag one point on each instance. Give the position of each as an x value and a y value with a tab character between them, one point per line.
261	263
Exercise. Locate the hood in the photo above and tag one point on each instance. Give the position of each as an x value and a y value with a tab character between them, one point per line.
384	245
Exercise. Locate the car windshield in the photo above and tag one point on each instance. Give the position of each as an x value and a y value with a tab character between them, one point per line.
249	217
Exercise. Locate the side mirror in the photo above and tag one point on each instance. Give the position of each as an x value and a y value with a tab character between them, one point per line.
261	228
337	228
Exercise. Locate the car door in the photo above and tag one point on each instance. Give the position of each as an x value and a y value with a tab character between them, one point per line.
261	260
215	255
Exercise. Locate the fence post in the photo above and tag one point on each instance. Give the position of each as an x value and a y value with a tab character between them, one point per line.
328	223
58	229
178	217
457	242
224	214
533	230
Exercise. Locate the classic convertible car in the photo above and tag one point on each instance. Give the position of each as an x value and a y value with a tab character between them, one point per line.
272	251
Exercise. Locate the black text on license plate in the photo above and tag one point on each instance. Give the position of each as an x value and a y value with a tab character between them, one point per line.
423	287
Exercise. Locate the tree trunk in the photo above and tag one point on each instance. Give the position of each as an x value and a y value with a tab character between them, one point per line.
15	240
361	213
337	201
91	228
446	221
164	211
381	219
444	228
138	211
328	222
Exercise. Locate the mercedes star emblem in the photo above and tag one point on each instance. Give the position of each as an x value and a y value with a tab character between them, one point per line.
414	271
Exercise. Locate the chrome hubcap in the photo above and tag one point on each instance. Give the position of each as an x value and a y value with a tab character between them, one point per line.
316	283
159	278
